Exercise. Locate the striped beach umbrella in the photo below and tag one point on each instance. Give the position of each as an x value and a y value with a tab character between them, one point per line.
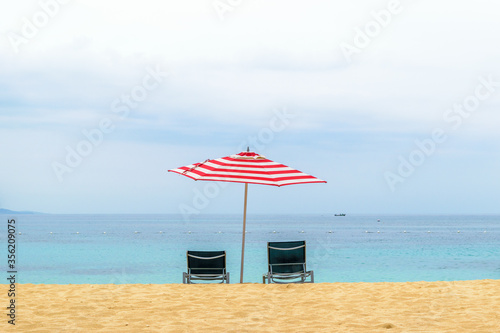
248	168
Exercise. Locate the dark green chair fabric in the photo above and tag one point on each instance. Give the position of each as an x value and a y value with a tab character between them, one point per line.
207	266
287	263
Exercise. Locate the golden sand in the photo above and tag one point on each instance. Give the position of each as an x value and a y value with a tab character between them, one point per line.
462	306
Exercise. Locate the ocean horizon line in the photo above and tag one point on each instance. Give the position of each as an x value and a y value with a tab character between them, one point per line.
4	211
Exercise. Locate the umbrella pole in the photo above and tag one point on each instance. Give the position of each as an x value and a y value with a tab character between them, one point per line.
243	236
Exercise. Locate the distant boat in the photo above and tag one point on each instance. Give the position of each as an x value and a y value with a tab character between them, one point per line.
339	214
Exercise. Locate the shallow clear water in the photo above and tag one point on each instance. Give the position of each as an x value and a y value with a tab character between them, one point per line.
80	249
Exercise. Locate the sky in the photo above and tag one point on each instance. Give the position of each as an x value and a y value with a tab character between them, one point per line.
394	103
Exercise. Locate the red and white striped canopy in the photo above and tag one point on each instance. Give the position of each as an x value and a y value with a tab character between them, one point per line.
246	167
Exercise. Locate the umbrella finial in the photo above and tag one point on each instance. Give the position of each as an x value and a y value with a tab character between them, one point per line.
248	149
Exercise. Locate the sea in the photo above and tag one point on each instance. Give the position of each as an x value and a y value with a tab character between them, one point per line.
151	249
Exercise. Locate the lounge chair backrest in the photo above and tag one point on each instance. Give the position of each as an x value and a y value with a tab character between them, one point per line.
206	262
287	257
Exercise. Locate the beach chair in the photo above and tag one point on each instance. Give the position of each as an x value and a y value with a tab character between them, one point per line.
207	266
287	263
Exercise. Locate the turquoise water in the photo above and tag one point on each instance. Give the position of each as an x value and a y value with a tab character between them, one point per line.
119	249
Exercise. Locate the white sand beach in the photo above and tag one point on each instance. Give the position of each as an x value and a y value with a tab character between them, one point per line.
462	306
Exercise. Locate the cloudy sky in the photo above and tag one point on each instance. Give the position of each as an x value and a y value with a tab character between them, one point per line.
395	103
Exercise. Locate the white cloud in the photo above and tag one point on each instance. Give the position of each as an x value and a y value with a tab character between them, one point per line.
226	77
